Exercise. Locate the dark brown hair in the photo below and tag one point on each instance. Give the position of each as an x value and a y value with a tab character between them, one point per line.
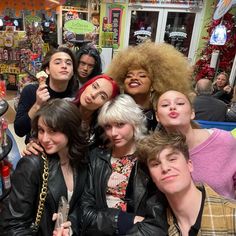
63	116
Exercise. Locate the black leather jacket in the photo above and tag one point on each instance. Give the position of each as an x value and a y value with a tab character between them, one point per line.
95	218
21	206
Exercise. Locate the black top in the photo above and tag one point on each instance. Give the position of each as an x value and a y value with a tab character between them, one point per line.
19	209
222	95
22	122
195	228
151	119
209	108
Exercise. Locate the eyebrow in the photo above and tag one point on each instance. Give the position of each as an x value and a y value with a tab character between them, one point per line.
171	153
61	59
101	92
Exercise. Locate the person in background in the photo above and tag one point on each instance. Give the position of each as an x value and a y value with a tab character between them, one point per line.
89	98
55	126
212	151
113	202
231	113
149	66
207	107
89	63
193	210
61	67
222	89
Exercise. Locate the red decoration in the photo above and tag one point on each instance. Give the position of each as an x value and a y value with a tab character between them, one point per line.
227	51
6	18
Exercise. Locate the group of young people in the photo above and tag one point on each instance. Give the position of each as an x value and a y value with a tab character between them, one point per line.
117	177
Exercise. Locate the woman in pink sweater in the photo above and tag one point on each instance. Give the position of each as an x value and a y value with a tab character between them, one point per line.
212	151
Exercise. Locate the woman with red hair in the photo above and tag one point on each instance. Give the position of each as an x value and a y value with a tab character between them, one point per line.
89	98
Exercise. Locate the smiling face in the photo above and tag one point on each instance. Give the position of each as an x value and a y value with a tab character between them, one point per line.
170	171
120	134
137	82
96	94
174	110
52	141
221	81
60	67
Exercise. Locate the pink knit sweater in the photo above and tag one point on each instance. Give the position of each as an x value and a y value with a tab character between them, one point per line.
214	162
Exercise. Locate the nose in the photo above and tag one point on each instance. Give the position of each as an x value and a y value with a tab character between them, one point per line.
64	64
165	167
45	137
85	67
133	77
172	106
114	131
93	95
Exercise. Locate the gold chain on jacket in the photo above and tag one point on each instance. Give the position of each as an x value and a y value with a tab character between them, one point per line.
42	195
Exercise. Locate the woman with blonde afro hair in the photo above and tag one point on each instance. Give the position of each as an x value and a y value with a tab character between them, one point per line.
150	68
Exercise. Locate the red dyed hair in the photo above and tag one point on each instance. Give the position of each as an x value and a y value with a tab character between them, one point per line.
115	87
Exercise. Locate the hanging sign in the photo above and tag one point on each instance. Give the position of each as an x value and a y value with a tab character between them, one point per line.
219	35
79	26
222	8
115	16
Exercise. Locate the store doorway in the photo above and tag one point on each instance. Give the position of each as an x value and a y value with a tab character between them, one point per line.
143	25
178	27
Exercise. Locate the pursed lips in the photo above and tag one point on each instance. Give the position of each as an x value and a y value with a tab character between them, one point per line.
173	114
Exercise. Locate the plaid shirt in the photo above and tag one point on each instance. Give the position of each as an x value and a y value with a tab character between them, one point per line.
218	217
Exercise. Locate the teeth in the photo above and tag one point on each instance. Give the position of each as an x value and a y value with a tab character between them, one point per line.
134	84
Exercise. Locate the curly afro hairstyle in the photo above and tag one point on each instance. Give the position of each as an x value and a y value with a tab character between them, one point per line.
168	69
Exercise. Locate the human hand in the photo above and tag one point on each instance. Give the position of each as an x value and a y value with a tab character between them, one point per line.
227	88
61	231
138	219
32	148
64	229
42	94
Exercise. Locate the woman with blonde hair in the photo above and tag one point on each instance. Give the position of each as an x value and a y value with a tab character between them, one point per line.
113	202
149	66
212	151
222	89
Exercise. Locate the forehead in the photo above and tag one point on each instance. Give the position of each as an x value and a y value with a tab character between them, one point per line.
137	71
87	58
41	121
172	95
221	76
168	152
104	85
60	55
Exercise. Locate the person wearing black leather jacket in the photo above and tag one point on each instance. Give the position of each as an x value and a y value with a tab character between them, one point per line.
117	196
67	172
